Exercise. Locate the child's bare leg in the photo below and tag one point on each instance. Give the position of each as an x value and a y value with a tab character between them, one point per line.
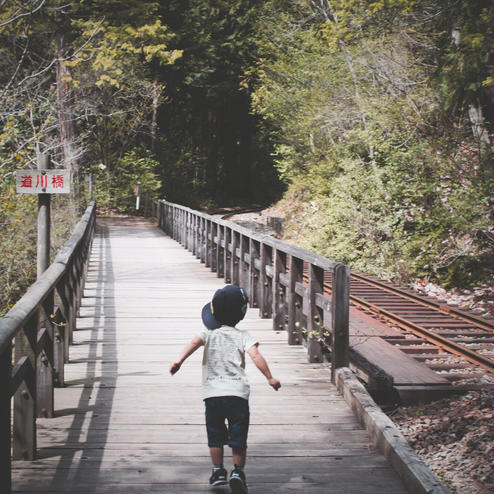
239	455
216	456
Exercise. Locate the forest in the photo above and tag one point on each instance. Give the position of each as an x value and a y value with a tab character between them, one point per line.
367	125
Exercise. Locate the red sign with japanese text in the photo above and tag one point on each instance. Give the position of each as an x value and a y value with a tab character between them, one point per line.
43	181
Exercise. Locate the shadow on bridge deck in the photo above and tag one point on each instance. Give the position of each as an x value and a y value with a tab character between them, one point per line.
124	425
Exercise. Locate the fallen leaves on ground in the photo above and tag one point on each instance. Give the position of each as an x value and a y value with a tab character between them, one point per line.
453	437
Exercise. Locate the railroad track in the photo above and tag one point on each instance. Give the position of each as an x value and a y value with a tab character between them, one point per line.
453	342
227	214
445	338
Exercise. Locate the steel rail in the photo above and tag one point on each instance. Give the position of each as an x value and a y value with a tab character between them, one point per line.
444	309
229	214
438	340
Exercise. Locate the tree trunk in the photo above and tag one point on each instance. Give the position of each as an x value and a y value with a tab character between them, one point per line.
156	94
66	112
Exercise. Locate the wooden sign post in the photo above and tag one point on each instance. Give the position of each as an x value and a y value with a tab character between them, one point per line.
44	213
44	181
137	193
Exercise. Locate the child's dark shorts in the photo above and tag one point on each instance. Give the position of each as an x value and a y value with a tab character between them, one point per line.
235	411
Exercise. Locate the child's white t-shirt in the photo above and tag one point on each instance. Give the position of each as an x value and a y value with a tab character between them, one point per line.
223	362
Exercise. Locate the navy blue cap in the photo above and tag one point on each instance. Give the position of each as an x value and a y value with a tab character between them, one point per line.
228	307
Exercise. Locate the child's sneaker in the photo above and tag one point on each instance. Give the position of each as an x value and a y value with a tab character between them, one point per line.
218	476
238	483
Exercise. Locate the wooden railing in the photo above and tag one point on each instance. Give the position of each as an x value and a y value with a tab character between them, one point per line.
34	345
286	283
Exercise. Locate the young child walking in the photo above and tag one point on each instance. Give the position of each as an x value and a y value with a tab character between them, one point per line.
224	382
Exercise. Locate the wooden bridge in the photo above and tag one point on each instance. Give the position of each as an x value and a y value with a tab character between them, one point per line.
118	422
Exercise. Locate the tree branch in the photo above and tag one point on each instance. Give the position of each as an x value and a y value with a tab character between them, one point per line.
26	14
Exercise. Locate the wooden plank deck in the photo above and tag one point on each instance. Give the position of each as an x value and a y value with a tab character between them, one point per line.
124	425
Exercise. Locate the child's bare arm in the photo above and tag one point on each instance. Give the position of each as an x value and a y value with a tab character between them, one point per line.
262	365
187	352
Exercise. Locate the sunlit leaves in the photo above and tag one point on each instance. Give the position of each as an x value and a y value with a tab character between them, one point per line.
359	99
117	53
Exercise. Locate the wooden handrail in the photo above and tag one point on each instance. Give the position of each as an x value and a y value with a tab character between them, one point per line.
271	271
41	323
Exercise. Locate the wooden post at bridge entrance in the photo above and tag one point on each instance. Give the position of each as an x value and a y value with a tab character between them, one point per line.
44	213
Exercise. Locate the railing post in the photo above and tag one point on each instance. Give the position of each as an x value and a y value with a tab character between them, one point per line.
340	318
265	296
166	219
187	227
24	447
214	246
278	311
87	253
253	273
5	419
72	296
235	261
44	386
192	239
209	244
197	236
228	254
172	214
176	224
202	230
163	215
220	251
180	227
294	302
314	319
192	233
183	227
66	308
78	270
173	226
59	347
169	220
243	268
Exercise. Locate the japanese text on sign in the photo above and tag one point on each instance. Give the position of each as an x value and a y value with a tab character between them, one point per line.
43	181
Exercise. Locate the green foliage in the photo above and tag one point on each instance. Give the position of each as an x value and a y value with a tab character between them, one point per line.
116	191
18	237
380	176
17	248
119	55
